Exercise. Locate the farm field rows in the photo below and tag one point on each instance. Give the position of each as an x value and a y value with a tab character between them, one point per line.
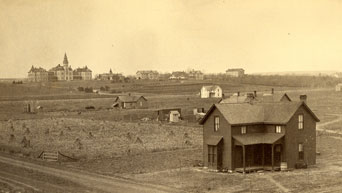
90	139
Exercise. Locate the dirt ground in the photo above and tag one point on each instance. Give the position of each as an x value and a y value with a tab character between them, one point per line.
325	176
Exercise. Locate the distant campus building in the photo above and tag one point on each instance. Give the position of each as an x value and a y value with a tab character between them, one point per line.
110	76
59	73
38	75
147	75
235	72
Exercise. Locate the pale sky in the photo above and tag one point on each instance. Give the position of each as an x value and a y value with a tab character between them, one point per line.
171	35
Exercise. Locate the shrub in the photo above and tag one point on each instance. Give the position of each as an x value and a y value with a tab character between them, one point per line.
88	90
80	89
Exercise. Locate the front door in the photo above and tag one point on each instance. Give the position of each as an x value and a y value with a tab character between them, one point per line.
214	157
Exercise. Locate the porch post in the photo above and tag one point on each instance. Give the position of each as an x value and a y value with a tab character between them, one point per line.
244	158
263	155
272	157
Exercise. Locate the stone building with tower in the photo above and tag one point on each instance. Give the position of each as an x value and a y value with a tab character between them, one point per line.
59	73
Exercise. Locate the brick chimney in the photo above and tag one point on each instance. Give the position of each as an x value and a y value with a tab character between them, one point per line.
272	91
238	93
303	97
255	93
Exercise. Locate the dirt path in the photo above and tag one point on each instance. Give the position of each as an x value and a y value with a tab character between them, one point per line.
281	187
93	181
320	126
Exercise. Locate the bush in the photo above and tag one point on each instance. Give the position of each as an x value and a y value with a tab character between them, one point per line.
88	90
80	89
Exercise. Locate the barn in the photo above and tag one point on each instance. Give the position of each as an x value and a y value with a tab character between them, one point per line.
130	102
260	135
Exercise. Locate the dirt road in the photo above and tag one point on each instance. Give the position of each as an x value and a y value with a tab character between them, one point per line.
81	181
320	127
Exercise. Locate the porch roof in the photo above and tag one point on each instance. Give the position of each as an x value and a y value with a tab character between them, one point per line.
258	138
214	140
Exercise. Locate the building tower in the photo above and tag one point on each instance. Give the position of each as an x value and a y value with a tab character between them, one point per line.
66	67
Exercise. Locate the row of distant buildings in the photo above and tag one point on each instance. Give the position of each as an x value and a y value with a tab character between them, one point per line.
182	75
59	73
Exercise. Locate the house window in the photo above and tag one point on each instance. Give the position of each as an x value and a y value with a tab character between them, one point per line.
300	151
141	103
278	129
300	121
216	123
243	130
211	154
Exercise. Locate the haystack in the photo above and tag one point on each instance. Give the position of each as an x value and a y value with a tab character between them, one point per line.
12	138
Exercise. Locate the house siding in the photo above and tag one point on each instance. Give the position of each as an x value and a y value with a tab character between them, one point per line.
225	131
294	136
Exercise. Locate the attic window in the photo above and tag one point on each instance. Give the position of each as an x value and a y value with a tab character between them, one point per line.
216	123
278	129
243	130
300	121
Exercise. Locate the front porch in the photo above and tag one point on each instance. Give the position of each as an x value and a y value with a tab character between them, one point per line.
258	151
257	168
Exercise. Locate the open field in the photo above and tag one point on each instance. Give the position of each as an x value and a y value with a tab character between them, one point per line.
92	139
107	142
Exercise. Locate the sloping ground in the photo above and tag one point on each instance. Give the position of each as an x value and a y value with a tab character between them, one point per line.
90	139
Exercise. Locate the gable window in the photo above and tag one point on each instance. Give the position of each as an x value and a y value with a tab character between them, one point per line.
300	121
141	103
216	123
243	130
211	154
300	151
278	129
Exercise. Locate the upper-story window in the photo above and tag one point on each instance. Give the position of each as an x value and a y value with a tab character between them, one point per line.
300	121
278	129
243	130
216	123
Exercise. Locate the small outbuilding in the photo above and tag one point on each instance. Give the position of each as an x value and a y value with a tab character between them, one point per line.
130	102
174	116
165	114
338	87
213	91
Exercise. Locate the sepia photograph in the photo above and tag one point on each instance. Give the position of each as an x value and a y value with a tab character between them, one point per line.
170	96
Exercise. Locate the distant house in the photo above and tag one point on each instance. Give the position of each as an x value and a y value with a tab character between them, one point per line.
235	72
130	102
196	75
178	75
165	114
38	75
213	91
147	75
82	74
338	87
238	136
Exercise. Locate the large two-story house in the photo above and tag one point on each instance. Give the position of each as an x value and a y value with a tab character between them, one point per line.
248	134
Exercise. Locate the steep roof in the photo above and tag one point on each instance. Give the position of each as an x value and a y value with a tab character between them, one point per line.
57	68
128	99
34	69
84	69
251	98
263	113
